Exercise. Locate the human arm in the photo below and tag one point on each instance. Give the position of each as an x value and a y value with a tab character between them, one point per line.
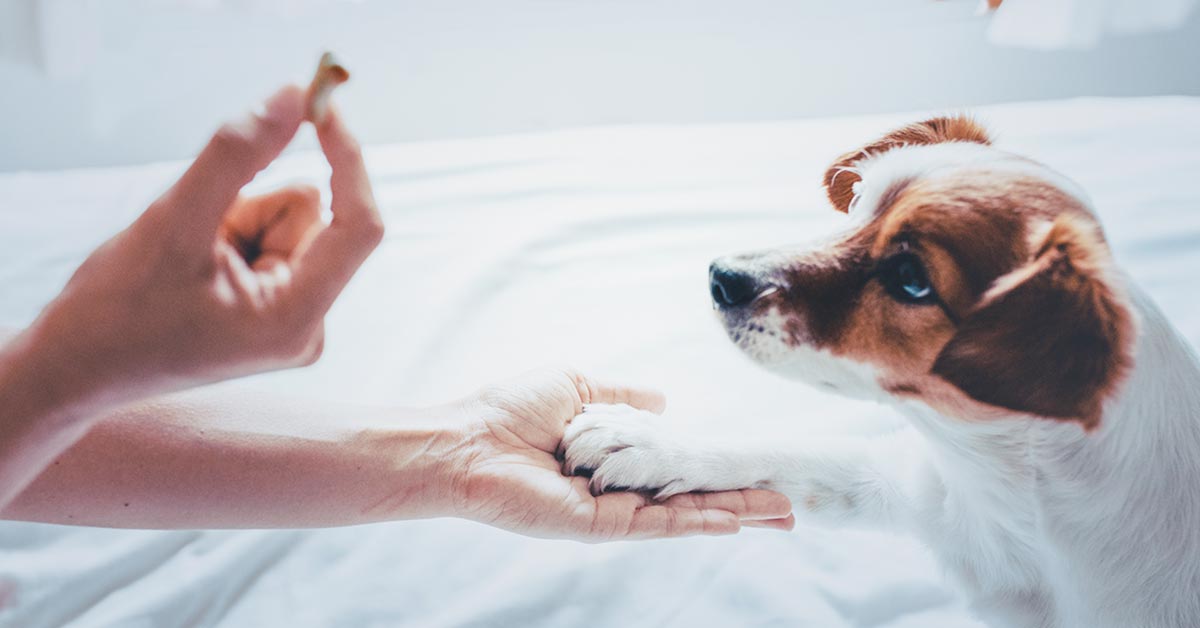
205	285
215	458
220	457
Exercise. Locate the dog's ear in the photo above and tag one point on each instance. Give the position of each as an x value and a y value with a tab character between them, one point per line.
842	175
1052	338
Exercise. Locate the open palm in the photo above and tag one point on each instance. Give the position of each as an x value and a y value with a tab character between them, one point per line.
511	478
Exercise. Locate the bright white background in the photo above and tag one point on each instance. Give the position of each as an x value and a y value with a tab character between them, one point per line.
105	82
582	246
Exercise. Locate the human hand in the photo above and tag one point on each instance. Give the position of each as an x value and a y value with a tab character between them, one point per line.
506	473
208	284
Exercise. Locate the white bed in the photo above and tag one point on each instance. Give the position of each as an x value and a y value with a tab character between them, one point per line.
588	247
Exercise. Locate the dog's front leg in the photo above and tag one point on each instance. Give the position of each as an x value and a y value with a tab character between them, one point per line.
837	480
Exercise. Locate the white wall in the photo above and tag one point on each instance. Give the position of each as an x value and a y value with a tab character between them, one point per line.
161	77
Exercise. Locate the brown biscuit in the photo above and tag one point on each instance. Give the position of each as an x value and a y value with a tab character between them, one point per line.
329	75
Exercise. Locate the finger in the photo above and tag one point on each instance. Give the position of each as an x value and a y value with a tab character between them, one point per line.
591	391
273	225
274	275
785	524
613	512
236	276
237	152
660	521
747	504
356	228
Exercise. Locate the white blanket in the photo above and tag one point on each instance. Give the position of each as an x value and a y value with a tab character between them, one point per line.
587	247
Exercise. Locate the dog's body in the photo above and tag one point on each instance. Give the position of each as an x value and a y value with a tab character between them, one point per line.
1053	458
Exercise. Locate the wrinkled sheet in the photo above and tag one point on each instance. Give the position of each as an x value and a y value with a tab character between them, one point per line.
587	247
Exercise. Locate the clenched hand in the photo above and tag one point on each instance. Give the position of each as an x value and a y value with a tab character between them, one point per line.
208	284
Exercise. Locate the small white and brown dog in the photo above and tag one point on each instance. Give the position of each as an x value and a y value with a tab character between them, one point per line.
1052	455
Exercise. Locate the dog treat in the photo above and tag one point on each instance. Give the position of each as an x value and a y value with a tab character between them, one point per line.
329	75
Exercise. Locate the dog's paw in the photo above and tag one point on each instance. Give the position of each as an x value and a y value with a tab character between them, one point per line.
626	448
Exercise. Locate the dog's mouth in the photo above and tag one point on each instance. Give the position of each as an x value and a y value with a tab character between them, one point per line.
764	335
757	328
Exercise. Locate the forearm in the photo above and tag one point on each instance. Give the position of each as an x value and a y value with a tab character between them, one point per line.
214	458
39	416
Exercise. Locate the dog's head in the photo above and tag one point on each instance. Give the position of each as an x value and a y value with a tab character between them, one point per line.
975	281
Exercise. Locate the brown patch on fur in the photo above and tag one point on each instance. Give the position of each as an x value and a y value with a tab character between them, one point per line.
1052	338
1054	348
968	229
822	289
1019	325
902	389
840	177
978	217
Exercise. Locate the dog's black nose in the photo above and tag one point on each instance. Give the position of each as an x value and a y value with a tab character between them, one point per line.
731	288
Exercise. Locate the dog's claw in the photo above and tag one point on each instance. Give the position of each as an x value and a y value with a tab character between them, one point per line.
621	448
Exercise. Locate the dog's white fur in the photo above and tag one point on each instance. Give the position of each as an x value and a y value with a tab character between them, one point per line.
1042	523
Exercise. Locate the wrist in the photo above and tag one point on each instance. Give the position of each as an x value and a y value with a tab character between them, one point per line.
420	457
36	424
39	382
471	471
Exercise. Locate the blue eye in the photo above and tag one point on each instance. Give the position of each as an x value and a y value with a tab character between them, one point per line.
905	280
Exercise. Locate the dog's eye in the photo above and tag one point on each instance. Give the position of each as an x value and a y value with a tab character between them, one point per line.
904	278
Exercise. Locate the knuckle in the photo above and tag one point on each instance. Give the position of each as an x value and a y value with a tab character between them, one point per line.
370	230
232	138
583	387
583	390
361	222
268	127
301	349
674	524
313	354
291	334
374	228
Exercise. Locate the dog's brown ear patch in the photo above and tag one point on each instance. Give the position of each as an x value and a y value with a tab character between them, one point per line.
841	176
1052	338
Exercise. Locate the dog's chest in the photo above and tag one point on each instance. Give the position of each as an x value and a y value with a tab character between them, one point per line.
987	554
998	569
987	538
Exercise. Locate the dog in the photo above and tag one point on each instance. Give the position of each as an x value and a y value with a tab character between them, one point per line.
1051	456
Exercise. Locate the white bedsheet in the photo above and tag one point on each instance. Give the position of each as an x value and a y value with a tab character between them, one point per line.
588	247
